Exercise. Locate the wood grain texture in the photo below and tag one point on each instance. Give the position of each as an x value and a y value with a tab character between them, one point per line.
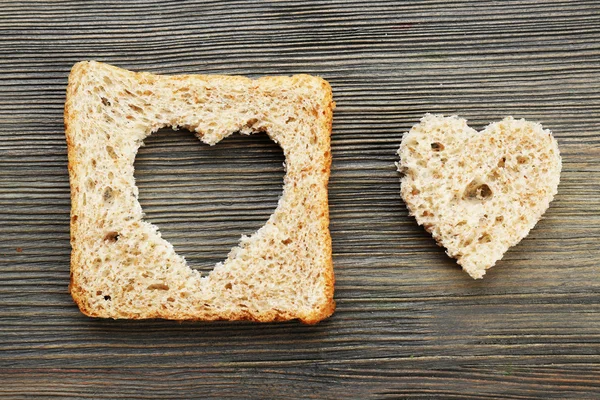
409	323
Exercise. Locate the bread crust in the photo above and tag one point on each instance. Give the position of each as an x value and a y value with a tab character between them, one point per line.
80	287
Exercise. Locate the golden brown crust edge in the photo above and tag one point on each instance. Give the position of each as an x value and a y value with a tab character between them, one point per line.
78	294
328	308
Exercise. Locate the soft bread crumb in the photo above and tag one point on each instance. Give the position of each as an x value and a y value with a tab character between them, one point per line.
120	265
478	193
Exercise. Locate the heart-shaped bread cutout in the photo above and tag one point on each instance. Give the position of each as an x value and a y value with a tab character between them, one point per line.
478	193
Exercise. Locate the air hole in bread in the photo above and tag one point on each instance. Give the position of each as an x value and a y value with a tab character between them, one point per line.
112	236
499	218
485	238
158	286
111	152
108	195
477	190
107	298
437	146
494	175
502	162
89	183
136	108
522	159
105	101
204	198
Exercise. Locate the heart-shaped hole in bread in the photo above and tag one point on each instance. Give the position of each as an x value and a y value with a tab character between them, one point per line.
204	198
478	193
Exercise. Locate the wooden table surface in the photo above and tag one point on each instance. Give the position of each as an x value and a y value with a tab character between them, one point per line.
409	323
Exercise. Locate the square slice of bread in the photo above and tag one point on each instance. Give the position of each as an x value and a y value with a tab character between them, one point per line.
121	267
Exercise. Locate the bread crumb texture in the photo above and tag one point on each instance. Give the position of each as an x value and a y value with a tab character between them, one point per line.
120	265
478	193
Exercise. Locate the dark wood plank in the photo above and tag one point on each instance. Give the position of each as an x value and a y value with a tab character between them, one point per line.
409	323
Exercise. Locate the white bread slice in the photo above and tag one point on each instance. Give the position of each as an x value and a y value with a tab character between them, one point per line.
120	265
478	193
